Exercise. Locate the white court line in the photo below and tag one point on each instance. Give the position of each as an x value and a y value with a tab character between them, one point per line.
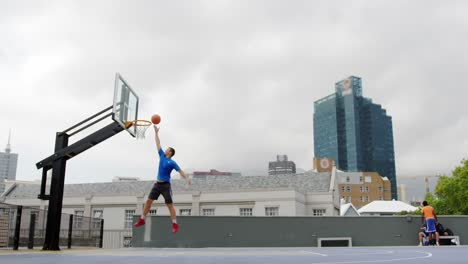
351	254
428	255
370	253
315	253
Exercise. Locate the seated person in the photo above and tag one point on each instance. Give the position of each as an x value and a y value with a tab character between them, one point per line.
441	230
445	232
423	236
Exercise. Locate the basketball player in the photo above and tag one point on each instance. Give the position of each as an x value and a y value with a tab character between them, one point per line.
428	214
163	183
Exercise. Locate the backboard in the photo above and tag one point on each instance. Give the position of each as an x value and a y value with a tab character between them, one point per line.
125	107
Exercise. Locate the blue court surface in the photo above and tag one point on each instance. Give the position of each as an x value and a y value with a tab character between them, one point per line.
414	255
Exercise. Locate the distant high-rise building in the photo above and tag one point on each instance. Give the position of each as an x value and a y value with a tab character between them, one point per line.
402	193
204	174
355	132
8	164
281	166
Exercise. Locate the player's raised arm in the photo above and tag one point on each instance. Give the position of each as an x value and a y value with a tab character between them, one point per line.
183	174
156	137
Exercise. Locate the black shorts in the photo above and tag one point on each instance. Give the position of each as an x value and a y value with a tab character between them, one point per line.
163	188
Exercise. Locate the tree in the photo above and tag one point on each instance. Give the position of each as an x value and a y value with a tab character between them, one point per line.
436	203
451	193
415	212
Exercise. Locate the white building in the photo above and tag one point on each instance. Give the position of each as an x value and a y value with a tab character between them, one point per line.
307	194
281	195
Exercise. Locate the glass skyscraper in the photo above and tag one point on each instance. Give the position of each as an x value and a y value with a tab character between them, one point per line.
355	132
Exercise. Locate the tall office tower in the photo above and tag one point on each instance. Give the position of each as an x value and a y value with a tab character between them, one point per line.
355	132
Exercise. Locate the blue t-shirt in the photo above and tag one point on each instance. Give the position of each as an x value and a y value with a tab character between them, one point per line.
166	166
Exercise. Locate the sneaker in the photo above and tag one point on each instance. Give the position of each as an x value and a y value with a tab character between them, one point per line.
420	244
140	222
437	244
175	228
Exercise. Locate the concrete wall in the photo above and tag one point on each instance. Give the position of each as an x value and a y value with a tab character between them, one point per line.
287	231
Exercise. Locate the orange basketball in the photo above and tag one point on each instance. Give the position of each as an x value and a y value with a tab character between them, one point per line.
155	119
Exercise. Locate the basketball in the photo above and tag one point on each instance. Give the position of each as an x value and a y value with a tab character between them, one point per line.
155	119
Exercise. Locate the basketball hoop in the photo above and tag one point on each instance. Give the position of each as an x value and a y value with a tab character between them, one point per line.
140	127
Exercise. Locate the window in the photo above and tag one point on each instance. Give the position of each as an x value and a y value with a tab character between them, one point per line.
342	188
368	179
129	218
360	188
367	188
209	212
380	189
319	212
367	198
271	211
349	199
78	219
360	179
362	200
185	212
347	179
348	189
245	211
97	216
152	212
380	198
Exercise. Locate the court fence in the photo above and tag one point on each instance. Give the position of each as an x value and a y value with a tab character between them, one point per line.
22	226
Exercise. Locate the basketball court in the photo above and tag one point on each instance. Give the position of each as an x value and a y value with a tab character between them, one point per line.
414	255
124	115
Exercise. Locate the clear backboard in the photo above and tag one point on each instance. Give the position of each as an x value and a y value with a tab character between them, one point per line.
125	108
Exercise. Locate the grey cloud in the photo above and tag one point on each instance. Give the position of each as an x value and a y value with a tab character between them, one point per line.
234	81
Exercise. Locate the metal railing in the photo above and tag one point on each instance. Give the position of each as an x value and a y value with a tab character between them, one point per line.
22	226
117	238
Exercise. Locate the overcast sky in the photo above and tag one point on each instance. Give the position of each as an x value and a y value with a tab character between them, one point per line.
234	81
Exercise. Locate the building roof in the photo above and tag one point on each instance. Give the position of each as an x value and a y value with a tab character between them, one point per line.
386	207
348	209
305	182
212	172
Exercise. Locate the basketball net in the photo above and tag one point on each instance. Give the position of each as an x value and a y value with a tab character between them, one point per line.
140	127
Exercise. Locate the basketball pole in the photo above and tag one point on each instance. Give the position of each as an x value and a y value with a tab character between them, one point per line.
54	214
57	162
